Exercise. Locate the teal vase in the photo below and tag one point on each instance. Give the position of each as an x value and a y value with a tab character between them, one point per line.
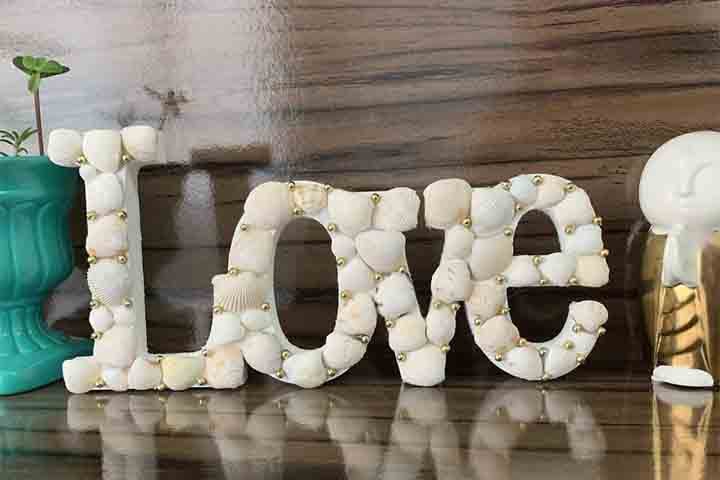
35	256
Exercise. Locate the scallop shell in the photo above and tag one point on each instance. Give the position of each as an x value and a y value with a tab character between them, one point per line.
355	276
180	372
524	362
357	316
490	256
101	319
458	243
523	189
123	315
522	272
226	328
440	326
496	334
408	333
382	251
397	211
310	197
116	379
80	374
486	300
451	281
574	209
144	375
352	212
103	194
256	319
268	206
262	352
306	369
64	147
586	240
88	172
225	368
109	281
424	367
342	351
117	347
395	296
107	237
559	361
588	313
550	192
558	267
343	246
141	142
492	209
252	250
592	271
103	148
235	293
447	203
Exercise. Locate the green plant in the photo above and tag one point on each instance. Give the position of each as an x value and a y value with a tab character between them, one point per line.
38	68
16	139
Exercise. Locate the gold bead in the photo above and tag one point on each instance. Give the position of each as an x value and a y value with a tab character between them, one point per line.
218	309
542	351
340	261
505	185
569	188
519	207
375	197
401	357
580	358
280	373
546	377
573	281
331	372
577	328
537	180
499	279
436	305
291	186
544	282
364	339
503	311
455	307
265	307
331	227
91	215
201	381
92	259
568	345
94	303
598	221
498	357
327	188
127	302
601	331
378	276
507	231
204	352
521	342
402	270
285	354
82	160
122	259
122	214
389	323
570	229
234	271
604	252
96	336
160	387
100	383
478	321
344	295
467	222
537	260
297	211
244	227
125	158
445	348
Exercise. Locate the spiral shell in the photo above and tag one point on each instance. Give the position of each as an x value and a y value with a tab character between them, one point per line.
107	237
109	282
236	293
103	194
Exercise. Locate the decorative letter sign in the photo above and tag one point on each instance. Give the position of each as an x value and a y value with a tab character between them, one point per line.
366	229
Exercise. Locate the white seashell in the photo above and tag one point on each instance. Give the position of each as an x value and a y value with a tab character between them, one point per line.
342	351
424	367
588	313
558	268
458	242
447	203
306	369
107	237
103	194
81	374
144	375
123	315
497	334
235	293
352	212
682	376
486	299
522	272
524	191
395	296
141	142
343	247
116	379
382	251
523	362
492	209
592	271
225	367
88	172
355	276
397	211
490	256
256	319
64	147
559	361
262	352
586	240
451	281
574	209
117	347
268	206
440	326
101	319
357	316
103	148
584	342
226	328
180	372
252	250
109	281
309	196
408	333
550	192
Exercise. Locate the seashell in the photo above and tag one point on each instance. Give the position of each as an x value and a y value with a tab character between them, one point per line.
558	268
397	211
560	361
268	206
395	296
103	148
458	242
486	300
523	189
306	369
262	352
80	374
490	256
682	376
492	209
343	247
584	342
586	240
522	272
496	334
64	147
225	368
550	192
309	196
109	281
523	362
235	293
252	250
381	251
440	326
117	347
141	142
451	281
424	367
589	314
144	375
88	172
342	351
107	237
180	372
447	203
256	319
123	315
574	209
357	316
116	379
226	328
408	333
101	319
592	271
355	276
103	194
352	212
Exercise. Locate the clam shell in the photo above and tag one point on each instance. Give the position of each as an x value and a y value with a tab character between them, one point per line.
447	203
144	375
306	369
104	194
64	147
262	352
550	192
522	188
268	206
523	362
252	250
256	319
309	196
225	368
440	326
588	313
342	351
451	281
103	148
397	211
458	242
109	281
357	316
116	379
117	347
586	240
88	172
558	268
355	276
574	209
101	319
351	212
486	300
235	293
123	315
408	333
490	256
592	271
343	246
395	296
522	272
80	374
226	328
107	237
180	372
382	251
424	367
496	334
492	209
141	142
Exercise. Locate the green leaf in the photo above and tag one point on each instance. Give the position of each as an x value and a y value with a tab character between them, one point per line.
27	133
5	133
34	82
39	65
21	150
9	142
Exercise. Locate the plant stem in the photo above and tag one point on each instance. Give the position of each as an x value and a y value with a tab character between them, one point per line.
38	122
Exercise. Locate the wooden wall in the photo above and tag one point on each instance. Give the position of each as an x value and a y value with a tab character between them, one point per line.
367	94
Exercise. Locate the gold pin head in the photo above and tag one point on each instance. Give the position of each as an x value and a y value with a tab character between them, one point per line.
445	348
201	381
568	345
537	180
285	354
521	342
577	328
291	186
92	259
507	231
331	227
455	307
122	214
265	307
128	302
467	222
327	188
498	357
437	305
91	215
401	357
364	339
234	271
125	158
344	295
573	281
537	260
280	373
375	197
604	253
505	185
331	372
378	276
244	227
340	261
601	331
570	229
218	309
544	282
569	188
500	279
389	323
297	211
598	221
122	259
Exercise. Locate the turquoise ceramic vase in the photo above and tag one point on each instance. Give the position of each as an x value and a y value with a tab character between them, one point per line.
35	256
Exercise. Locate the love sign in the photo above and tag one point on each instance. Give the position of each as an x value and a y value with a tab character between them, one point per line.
367	233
